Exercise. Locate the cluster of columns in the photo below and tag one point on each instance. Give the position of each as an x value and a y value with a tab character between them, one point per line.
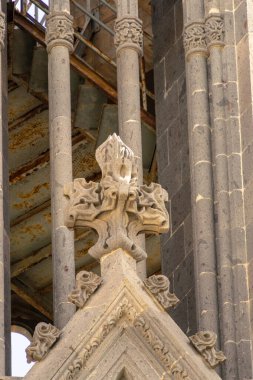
203	41
5	302
129	47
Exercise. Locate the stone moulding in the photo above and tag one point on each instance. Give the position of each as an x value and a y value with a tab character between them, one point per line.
59	31
117	208
161	349
86	284
126	309
2	29
45	335
204	342
128	33
215	31
195	39
159	286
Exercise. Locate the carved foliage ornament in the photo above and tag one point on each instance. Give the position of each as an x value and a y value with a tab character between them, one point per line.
159	286
59	30
125	309
215	30
2	29
128	33
117	208
86	284
204	342
195	38
45	335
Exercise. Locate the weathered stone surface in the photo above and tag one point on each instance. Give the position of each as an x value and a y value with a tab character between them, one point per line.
159	286
86	284
117	208
204	342
122	329
45	335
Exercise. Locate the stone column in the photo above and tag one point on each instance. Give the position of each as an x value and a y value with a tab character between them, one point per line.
129	44
59	39
215	41
5	299
201	166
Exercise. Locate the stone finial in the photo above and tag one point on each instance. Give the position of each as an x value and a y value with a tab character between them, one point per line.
204	342
195	39
2	29
86	284
159	286
45	335
117	208
215	31
128	33
59	30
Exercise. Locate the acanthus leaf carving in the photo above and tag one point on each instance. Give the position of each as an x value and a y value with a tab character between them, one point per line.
195	38
204	342
215	30
117	208
128	33
86	284
2	29
59	30
159	286
45	335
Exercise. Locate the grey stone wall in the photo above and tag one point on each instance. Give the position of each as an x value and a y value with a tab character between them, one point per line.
173	156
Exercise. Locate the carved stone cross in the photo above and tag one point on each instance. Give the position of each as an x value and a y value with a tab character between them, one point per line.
117	208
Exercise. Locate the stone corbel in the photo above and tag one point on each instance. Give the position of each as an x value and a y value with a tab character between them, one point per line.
195	39
86	284
204	342
45	335
159	286
2	29
215	31
117	208
59	31
128	33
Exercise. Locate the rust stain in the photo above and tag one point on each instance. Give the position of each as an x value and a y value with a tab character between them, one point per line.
34	191
33	230
22	205
48	217
28	135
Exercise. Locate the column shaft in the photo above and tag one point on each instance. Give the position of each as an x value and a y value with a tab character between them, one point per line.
5	299
59	42
201	169
129	48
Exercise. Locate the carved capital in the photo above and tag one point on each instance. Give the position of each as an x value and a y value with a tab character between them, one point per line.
204	342
215	31
45	335
117	208
2	29
59	30
86	284
195	39
159	286
129	34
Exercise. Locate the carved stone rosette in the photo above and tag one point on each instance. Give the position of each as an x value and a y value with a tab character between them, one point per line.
60	31
117	208
45	335
159	286
195	39
215	31
128	33
204	342
86	284
2	29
